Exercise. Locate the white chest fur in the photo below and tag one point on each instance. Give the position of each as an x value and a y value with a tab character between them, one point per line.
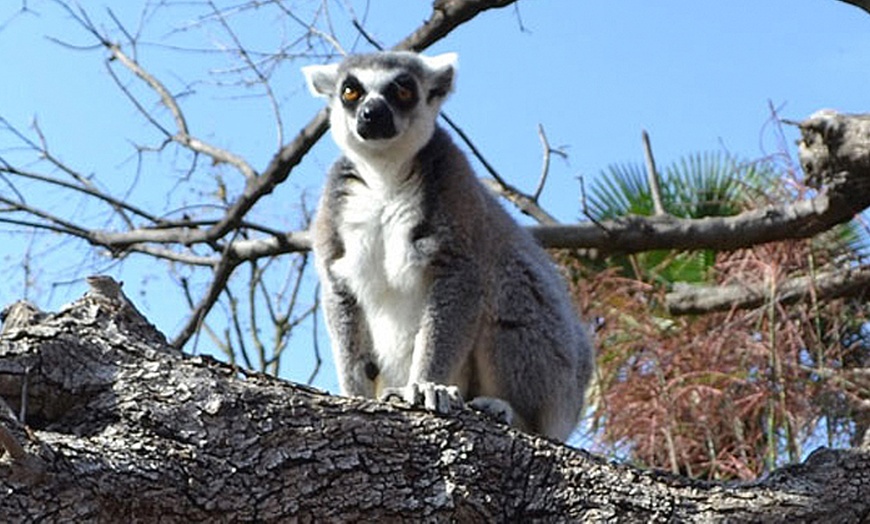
383	271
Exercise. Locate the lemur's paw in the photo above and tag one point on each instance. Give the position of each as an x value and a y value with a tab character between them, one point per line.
496	408
434	397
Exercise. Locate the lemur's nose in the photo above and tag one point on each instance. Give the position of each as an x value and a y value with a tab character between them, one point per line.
375	120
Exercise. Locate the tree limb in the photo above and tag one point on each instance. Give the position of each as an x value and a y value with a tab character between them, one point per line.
182	135
527	204
446	16
835	155
652	175
860	4
691	299
121	426
634	234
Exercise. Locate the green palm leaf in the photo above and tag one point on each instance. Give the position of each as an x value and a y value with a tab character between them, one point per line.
696	186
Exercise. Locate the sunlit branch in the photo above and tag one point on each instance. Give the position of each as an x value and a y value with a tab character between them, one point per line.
688	299
499	185
88	190
182	135
222	273
548	151
652	174
64	225
253	66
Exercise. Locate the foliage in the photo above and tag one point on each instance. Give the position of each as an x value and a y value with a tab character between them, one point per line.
718	395
698	186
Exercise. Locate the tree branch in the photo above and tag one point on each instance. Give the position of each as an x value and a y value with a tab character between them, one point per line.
547	152
634	234
691	299
652	175
223	270
123	426
860	4
182	135
527	204
446	16
87	190
835	154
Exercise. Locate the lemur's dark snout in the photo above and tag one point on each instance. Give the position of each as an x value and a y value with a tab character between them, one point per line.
375	120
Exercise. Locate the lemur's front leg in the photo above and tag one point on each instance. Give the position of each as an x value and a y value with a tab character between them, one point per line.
449	326
351	341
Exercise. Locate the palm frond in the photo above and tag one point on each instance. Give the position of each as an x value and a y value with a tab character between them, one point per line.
696	186
621	190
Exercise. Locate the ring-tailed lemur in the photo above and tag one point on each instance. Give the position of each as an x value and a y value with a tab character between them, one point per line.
430	290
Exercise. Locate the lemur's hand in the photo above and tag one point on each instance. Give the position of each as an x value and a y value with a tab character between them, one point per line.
434	397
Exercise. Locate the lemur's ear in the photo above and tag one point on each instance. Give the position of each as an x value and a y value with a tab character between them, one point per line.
321	79
443	68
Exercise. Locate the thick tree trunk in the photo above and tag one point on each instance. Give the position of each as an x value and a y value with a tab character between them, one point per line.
118	426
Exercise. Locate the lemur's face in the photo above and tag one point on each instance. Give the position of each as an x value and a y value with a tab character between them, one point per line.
378	104
385	102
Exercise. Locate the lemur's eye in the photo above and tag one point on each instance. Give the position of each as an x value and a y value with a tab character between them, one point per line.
404	94
351	90
350	93
403	91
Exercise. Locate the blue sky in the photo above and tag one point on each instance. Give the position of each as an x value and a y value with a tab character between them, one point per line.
699	76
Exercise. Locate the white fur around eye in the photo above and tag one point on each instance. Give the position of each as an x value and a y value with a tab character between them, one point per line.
381	162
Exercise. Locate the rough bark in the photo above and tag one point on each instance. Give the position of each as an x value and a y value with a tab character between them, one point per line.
119	426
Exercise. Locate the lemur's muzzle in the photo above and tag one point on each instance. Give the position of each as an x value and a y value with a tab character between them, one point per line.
374	120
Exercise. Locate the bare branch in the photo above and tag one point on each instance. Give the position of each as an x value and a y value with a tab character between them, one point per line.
522	201
690	299
253	66
173	256
474	150
222	273
634	234
446	16
861	4
165	96
835	153
653	176
292	242
545	168
498	185
365	34
839	203
61	224
182	135
278	170
88	190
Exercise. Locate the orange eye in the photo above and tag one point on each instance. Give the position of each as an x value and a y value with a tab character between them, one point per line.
404	94
350	94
